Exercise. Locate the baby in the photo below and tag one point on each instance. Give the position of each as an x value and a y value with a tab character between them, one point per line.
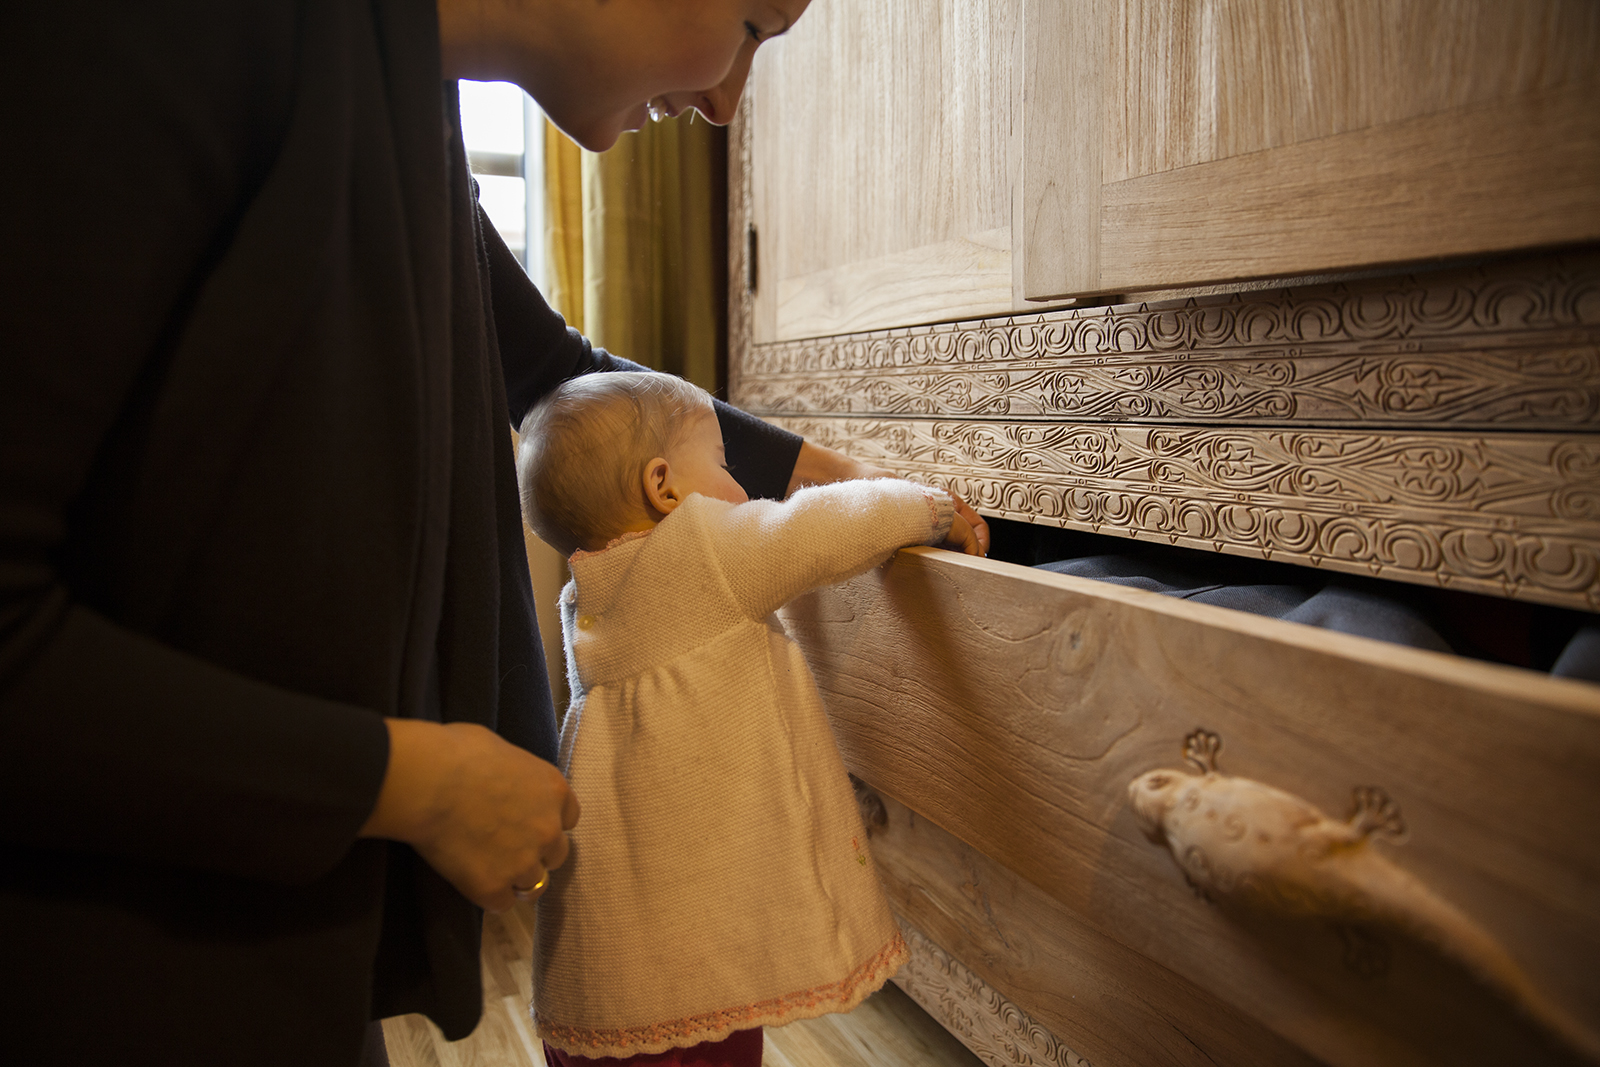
719	881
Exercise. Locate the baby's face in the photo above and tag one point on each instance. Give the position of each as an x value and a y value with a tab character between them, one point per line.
699	465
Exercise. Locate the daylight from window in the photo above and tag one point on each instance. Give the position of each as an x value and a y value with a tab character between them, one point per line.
503	130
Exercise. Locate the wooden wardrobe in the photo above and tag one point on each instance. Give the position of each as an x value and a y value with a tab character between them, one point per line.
1311	282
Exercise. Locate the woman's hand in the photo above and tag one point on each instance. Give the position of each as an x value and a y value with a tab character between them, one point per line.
487	815
817	465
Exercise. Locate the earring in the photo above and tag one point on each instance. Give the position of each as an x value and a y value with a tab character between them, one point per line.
656	111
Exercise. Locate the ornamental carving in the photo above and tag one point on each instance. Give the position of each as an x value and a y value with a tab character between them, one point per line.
1215	421
997	1031
1508	514
1470	348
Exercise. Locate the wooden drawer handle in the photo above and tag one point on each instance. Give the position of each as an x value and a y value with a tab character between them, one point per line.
1251	844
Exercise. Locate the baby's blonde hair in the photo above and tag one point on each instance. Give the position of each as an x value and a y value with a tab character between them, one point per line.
585	446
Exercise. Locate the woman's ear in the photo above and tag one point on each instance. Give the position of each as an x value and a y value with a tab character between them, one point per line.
659	492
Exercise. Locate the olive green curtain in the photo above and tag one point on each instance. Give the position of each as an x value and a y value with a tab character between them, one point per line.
563	235
635	245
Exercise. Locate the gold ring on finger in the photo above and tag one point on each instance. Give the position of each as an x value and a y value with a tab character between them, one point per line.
527	892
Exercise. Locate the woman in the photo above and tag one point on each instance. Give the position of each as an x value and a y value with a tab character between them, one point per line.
274	723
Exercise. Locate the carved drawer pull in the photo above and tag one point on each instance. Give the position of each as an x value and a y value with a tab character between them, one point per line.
1240	840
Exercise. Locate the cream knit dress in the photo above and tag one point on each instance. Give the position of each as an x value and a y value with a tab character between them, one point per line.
719	878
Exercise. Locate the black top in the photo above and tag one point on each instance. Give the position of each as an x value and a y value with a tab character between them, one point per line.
256	491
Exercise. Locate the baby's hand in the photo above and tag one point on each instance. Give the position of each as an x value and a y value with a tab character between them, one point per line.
962	537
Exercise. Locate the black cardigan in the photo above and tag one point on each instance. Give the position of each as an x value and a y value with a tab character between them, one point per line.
260	354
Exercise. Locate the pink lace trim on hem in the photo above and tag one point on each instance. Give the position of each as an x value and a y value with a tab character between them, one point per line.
631	535
714	1026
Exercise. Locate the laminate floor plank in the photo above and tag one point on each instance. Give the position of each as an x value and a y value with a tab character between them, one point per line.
504	1038
887	1030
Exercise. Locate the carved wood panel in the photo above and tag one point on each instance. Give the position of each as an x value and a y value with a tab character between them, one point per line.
1434	428
997	1031
1514	515
1482	347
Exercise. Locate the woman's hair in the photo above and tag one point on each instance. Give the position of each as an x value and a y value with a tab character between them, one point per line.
585	446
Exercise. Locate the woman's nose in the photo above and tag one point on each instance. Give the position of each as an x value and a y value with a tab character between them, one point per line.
719	102
714	108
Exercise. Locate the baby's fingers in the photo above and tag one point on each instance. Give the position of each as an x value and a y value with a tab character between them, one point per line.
980	529
962	537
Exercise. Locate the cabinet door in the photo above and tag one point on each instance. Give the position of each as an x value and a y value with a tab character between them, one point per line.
1177	142
881	182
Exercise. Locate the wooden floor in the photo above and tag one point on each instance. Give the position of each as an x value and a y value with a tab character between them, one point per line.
888	1030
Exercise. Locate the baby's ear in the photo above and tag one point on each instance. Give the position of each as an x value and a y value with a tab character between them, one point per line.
658	490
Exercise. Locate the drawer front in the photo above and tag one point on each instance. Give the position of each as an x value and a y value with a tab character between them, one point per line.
1012	709
976	928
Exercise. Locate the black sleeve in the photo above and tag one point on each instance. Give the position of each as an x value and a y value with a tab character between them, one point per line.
538	352
761	456
153	126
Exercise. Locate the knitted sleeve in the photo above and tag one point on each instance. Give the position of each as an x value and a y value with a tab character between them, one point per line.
772	551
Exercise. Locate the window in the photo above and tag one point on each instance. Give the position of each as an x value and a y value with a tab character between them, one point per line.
504	133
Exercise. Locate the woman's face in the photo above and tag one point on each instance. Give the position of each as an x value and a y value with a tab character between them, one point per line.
596	66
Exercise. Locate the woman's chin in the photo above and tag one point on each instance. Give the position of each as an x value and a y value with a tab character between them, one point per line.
600	141
600	134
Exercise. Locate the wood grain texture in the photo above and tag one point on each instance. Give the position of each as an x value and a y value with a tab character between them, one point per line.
504	1037
1465	182
887	1030
1060	111
1195	82
990	926
1249	138
880	127
953	279
1024	703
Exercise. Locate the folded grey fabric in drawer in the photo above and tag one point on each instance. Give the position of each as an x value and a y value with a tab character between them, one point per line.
1333	606
1581	657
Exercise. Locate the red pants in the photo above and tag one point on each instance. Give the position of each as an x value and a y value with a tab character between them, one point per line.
742	1048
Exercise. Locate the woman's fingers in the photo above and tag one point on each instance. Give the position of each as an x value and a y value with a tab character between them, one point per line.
485	814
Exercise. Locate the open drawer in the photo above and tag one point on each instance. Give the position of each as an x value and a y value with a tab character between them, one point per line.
999	715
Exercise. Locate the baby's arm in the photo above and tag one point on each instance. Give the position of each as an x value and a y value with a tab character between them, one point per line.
773	551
